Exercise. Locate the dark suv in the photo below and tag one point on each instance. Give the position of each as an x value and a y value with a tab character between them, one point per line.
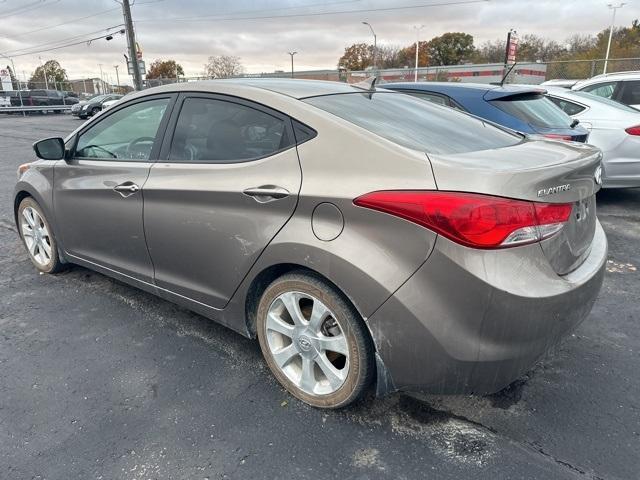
41	98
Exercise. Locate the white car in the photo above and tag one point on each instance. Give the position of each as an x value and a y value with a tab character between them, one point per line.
559	82
623	87
110	103
4	100
614	128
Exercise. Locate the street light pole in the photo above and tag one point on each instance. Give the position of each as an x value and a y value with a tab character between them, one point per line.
101	80
417	29
613	22
117	77
44	74
375	45
292	54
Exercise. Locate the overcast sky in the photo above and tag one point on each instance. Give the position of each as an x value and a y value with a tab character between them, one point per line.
191	30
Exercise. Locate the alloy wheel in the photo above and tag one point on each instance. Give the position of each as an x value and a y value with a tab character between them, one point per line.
36	236
307	343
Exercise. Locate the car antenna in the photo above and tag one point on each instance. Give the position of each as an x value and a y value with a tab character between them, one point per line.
368	84
506	75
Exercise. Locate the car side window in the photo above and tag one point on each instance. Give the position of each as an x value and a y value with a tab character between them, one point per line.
568	107
127	134
218	131
631	93
601	89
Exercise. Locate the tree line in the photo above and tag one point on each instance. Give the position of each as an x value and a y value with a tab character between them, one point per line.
455	48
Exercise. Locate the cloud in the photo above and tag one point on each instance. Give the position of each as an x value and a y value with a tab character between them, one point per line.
191	30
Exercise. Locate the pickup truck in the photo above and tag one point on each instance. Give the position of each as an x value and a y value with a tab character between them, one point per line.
41	98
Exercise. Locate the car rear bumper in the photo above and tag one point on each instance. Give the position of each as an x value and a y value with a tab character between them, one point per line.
473	321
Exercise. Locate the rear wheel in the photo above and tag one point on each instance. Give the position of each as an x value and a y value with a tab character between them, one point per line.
38	237
314	341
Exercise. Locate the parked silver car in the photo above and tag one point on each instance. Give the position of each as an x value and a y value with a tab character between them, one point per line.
364	236
613	127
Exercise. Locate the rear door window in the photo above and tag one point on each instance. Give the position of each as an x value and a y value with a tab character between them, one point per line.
604	90
414	123
534	109
570	108
219	131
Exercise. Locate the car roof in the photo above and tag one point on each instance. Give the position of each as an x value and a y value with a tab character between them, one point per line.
496	91
608	77
296	88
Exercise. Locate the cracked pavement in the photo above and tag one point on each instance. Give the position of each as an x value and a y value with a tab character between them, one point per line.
100	380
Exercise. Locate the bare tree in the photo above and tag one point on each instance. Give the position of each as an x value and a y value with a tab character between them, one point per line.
223	66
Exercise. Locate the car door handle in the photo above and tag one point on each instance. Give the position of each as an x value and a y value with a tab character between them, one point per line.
126	188
266	193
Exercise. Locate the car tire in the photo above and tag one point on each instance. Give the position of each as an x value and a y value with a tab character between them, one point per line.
299	347
95	111
37	237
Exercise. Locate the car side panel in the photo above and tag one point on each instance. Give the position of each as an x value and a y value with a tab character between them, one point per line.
373	253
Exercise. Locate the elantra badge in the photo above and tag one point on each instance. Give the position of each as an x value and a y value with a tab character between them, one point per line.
543	192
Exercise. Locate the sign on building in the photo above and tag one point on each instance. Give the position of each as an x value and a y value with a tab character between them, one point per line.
512	47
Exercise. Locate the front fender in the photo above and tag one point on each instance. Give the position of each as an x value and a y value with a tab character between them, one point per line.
37	182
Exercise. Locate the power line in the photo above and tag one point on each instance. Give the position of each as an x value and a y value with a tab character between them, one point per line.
67	22
62	23
26	8
62	40
87	41
217	18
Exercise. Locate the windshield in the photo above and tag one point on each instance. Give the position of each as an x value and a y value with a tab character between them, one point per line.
535	109
414	123
606	101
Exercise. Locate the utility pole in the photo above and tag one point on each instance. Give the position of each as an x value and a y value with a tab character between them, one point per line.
117	77
417	29
131	39
292	54
613	22
375	46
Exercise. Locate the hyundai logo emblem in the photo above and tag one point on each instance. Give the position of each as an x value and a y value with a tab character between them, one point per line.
304	343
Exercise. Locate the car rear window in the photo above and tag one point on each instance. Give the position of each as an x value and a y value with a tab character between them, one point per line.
535	109
414	123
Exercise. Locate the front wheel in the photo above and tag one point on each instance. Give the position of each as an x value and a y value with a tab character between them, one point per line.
38	237
314	341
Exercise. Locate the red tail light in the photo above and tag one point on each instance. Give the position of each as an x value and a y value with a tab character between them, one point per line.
473	220
555	136
633	130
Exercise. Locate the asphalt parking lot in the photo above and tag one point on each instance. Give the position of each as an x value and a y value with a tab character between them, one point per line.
99	380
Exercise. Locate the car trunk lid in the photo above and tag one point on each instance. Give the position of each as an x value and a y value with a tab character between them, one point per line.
539	171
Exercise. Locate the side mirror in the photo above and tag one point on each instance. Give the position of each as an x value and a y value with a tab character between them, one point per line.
50	148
